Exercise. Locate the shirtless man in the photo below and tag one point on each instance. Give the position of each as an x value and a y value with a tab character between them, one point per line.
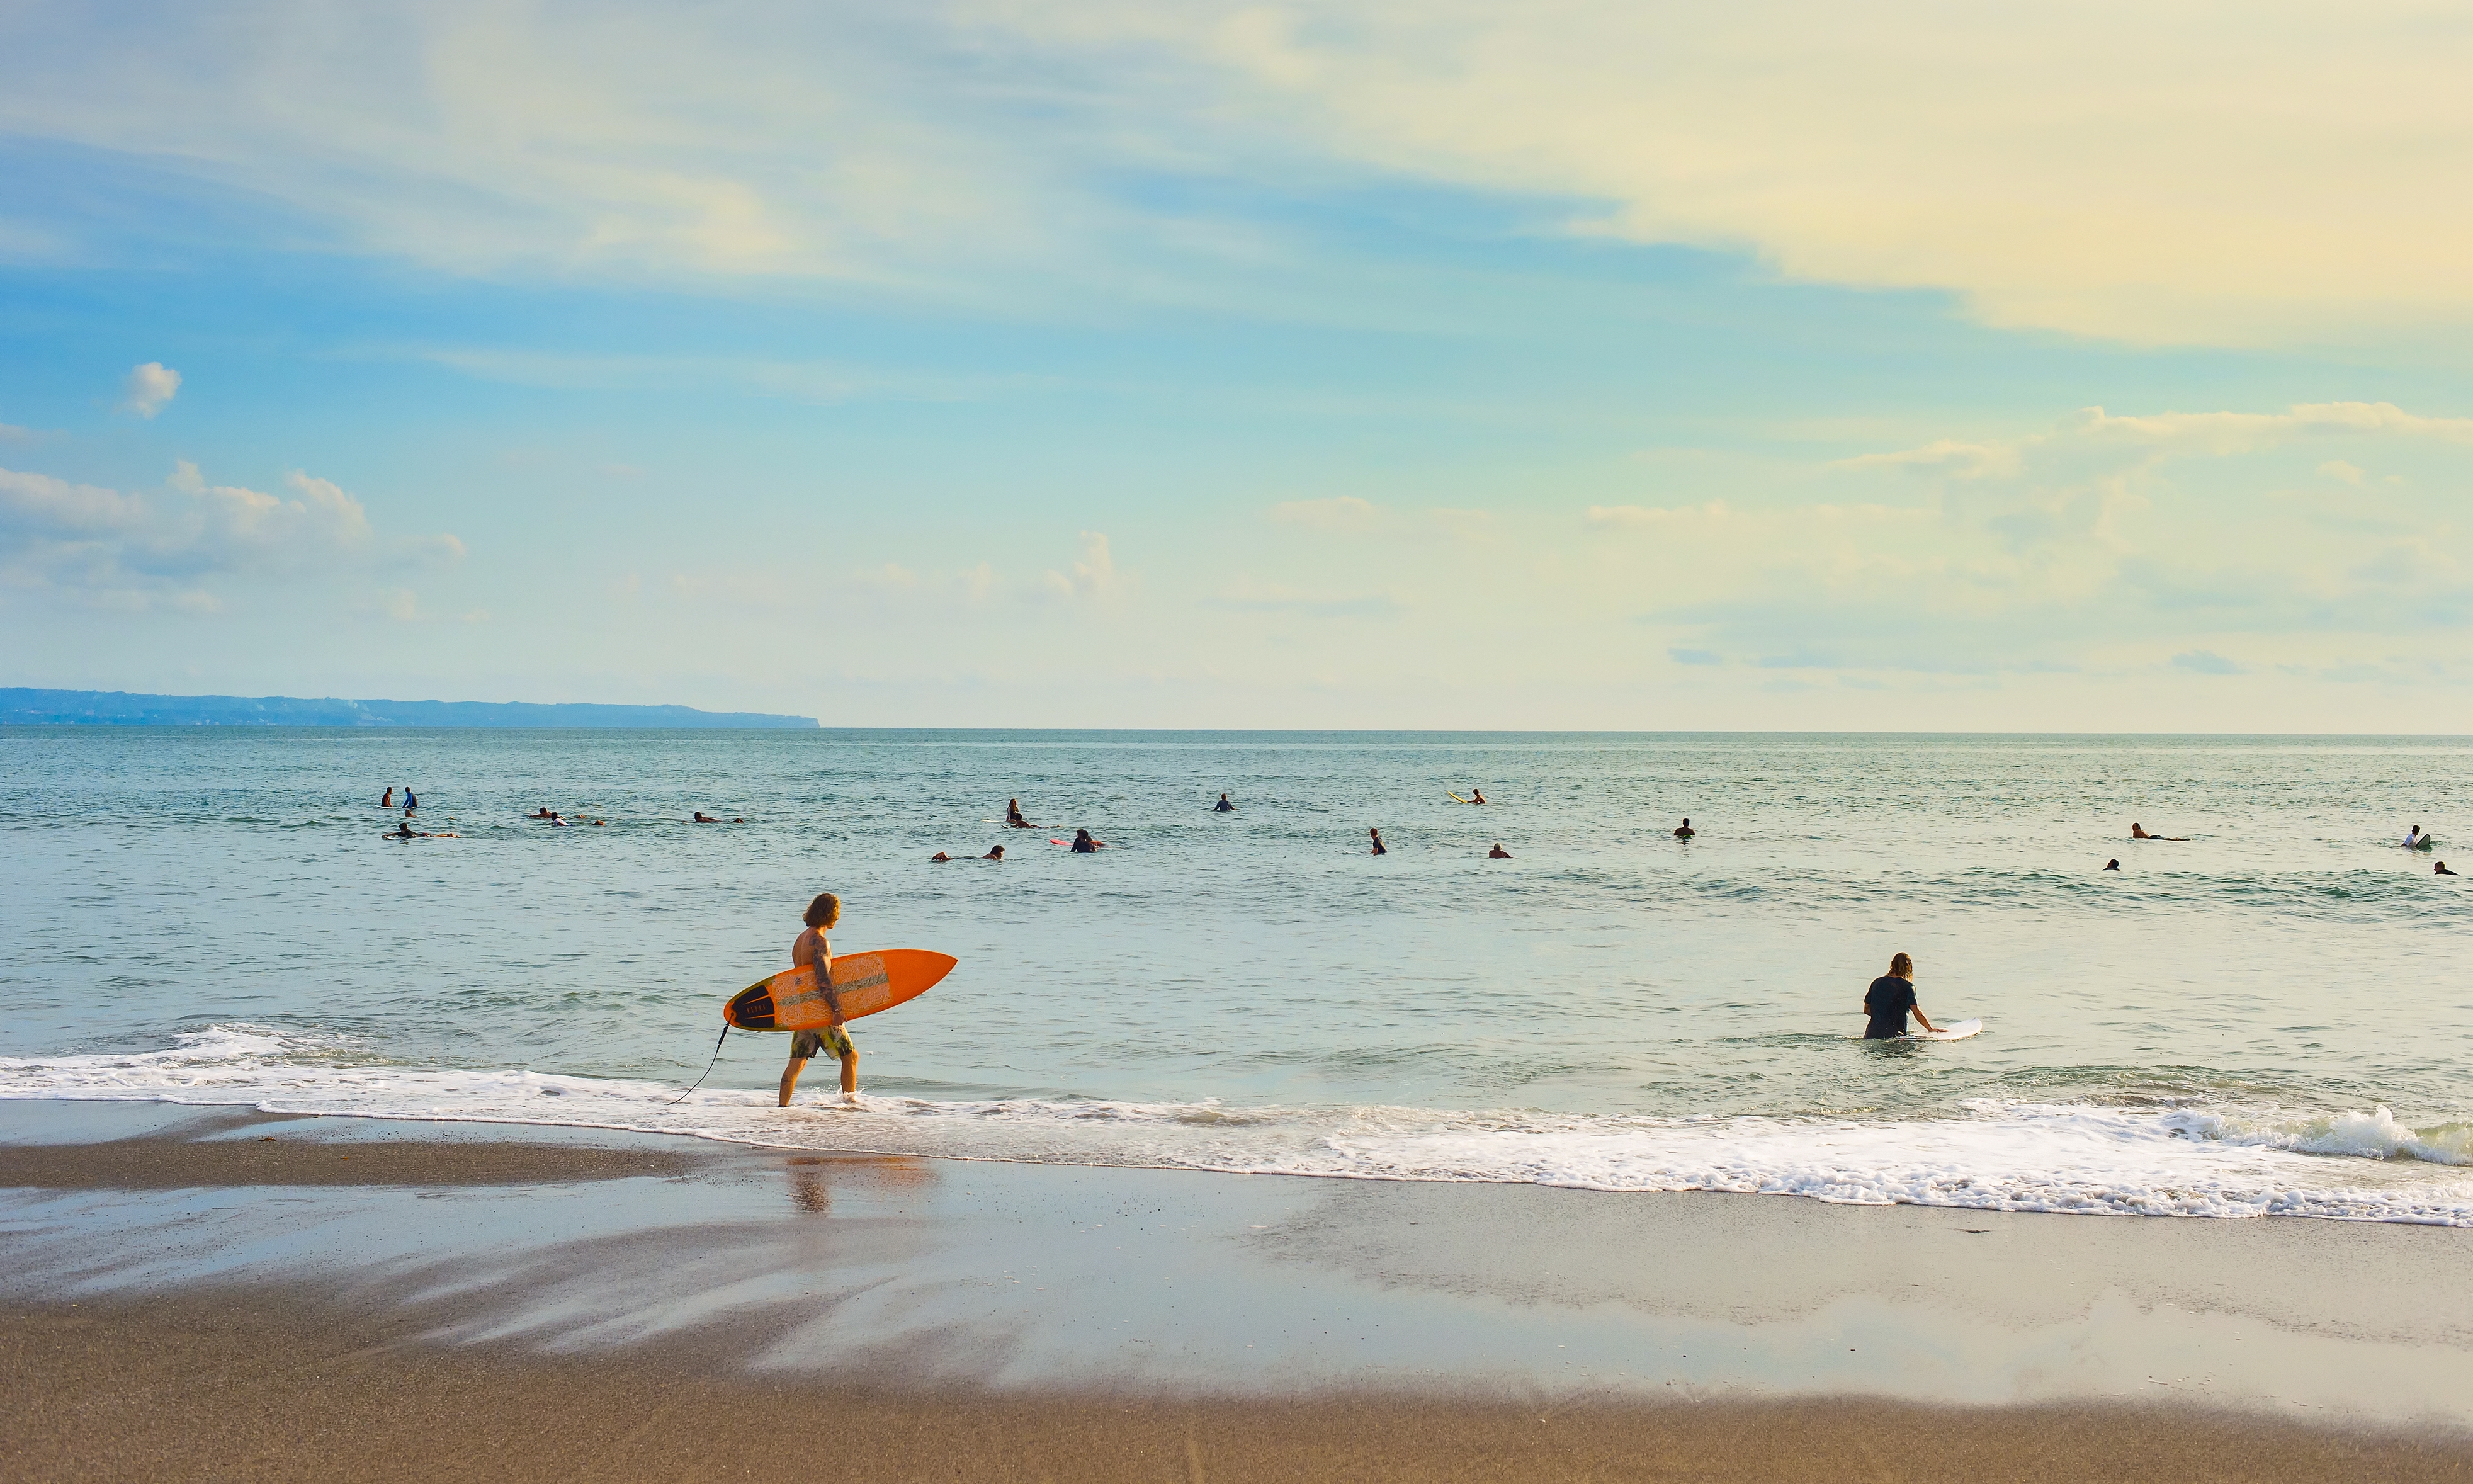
1685	832
1477	795
2138	831
811	949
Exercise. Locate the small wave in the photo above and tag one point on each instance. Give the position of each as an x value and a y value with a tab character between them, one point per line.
1991	1154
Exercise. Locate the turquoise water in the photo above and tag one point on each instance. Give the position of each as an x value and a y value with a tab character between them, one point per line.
2272	1015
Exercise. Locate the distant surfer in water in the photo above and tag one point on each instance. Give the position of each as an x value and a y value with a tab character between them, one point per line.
2418	841
1379	849
541	813
1685	832
2138	831
1498	852
1084	844
1889	1000
1477	795
405	832
2440	870
1013	815
811	949
386	801
995	852
1223	807
410	803
2112	864
701	818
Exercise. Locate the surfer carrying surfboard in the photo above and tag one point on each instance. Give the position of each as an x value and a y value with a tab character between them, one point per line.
1889	1000
811	949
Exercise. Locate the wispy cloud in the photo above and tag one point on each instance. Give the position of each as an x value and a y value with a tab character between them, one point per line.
137	548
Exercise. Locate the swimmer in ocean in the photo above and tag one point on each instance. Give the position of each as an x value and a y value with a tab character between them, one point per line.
541	813
386	801
1084	844
1686	831
701	818
2138	831
1379	849
1223	807
811	949
1013	815
2112	864
1477	795
1890	999
2440	870
1498	852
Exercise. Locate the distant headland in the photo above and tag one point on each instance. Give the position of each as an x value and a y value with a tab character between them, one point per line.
121	708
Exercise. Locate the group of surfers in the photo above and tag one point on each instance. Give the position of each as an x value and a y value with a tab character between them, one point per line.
2413	840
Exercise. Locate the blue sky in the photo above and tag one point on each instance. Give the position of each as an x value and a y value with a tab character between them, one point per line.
1018	363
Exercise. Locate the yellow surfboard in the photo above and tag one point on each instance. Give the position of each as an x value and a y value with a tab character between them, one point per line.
867	983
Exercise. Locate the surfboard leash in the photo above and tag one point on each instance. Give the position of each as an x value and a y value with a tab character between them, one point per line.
708	1066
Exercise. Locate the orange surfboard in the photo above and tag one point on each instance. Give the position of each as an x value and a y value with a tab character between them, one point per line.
867	983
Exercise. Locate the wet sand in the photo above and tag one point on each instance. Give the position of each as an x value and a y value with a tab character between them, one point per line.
363	1300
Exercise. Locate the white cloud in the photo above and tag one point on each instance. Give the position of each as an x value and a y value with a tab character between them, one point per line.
1093	578
149	388
2147	171
136	548
2342	472
2170	435
1344	513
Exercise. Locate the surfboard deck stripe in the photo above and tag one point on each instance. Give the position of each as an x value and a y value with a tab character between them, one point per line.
867	982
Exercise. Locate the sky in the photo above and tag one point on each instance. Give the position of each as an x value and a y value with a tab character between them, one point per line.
1368	364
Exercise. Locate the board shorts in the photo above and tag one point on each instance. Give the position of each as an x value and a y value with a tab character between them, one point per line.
805	1045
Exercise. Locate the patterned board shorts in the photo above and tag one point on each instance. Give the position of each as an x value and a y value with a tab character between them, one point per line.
807	1044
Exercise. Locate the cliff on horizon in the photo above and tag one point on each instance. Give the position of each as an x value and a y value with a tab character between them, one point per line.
122	708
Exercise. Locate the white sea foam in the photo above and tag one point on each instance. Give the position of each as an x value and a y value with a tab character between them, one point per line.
1999	1156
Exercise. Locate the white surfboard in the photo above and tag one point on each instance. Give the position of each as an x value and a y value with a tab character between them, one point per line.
1951	1031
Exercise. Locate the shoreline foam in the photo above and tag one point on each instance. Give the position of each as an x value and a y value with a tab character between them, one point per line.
2065	1157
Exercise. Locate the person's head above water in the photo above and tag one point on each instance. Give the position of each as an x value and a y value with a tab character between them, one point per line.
2440	870
995	852
1902	968
2112	864
823	911
1081	834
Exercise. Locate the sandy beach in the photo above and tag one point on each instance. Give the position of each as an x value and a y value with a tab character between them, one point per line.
198	1294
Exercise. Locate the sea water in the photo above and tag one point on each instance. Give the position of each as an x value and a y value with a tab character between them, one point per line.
2272	1017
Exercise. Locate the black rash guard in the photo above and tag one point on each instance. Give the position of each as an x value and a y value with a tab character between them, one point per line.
1888	1002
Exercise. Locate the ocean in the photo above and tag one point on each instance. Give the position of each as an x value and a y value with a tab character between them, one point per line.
2270	1017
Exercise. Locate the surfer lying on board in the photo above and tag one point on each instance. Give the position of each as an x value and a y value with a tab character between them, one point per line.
1013	815
995	852
2138	831
1889	998
811	949
405	832
701	818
